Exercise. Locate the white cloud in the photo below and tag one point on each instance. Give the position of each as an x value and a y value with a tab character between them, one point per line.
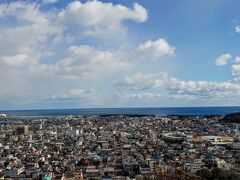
17	60
72	94
137	96
24	11
156	97
173	86
156	48
236	70
237	60
22	43
141	81
100	19
237	29
26	45
36	31
85	62
223	59
42	48
49	1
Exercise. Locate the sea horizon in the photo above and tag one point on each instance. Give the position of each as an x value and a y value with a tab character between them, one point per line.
200	110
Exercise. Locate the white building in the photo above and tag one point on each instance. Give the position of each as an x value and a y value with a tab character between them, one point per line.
73	133
218	139
3	115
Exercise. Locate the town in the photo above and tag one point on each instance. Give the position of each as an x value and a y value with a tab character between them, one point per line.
119	147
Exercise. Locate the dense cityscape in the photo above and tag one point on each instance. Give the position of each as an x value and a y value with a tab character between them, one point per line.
119	147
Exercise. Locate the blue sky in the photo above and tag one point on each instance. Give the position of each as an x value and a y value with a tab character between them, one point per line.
77	54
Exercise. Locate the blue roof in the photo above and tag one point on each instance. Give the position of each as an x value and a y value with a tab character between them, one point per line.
47	178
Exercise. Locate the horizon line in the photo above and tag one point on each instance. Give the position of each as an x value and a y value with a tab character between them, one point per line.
140	107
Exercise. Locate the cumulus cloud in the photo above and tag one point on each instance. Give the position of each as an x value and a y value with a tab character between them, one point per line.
237	60
39	52
237	29
100	19
21	10
34	31
49	1
156	48
72	94
223	59
17	60
27	42
137	96
141	81
236	70
174	86
42	50
86	61
22	43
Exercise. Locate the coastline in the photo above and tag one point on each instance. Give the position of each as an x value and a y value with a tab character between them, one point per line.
162	111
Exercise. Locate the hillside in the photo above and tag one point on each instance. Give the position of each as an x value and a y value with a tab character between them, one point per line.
233	117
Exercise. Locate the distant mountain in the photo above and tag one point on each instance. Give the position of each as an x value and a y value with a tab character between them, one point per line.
233	117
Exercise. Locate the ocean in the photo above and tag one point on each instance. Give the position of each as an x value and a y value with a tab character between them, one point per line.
130	111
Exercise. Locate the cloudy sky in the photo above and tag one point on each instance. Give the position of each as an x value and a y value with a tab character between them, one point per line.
157	53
